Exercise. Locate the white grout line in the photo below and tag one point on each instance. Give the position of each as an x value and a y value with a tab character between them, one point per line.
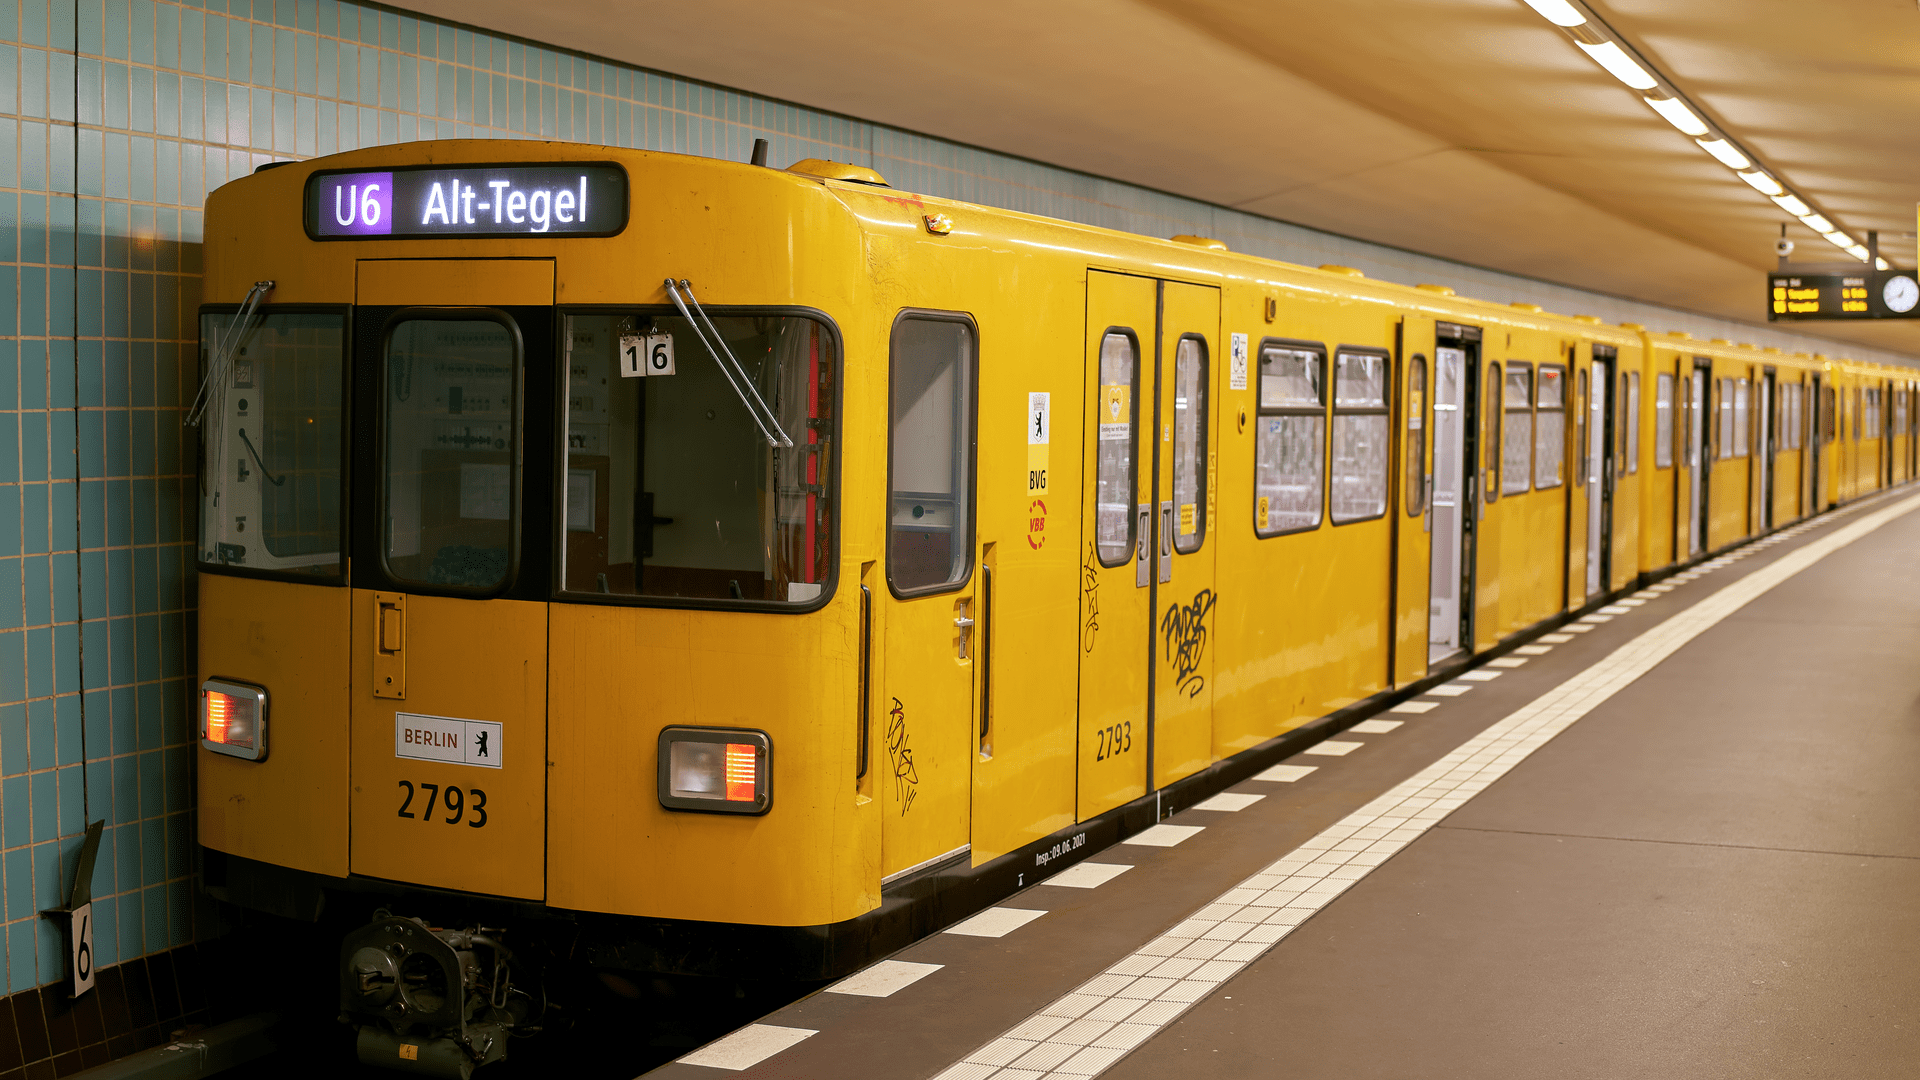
1286	774
1098	1022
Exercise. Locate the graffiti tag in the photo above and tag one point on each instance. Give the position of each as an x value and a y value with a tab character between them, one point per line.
1185	628
1090	599
906	779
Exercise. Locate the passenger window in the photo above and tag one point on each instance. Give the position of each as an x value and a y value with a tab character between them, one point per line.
1723	426
1550	427
672	491
1360	429
449	443
1516	466
1580	433
1113	499
1633	422
1416	482
1290	444
1663	421
1741	388
1492	426
930	453
1189	445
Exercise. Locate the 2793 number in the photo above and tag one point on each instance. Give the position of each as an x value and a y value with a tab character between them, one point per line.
1117	739
453	802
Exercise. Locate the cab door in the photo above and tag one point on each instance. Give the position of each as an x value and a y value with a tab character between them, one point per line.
926	733
453	372
1413	520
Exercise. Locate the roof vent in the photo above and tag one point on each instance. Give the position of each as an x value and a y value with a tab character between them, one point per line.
1724	341
837	170
1520	305
1443	290
1334	268
1200	242
1681	334
1590	320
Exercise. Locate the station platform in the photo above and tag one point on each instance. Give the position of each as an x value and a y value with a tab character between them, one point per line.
1679	836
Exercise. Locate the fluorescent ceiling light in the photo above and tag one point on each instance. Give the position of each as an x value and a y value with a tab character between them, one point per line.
1858	251
1762	183
1724	151
1838	239
1557	12
1609	56
1817	223
1791	204
1881	264
1678	115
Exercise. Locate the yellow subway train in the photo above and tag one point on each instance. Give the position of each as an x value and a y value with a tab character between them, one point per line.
732	569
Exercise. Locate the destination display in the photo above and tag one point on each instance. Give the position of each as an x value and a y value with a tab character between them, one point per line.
477	201
1886	294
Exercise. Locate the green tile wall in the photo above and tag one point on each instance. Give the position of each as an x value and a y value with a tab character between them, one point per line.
116	119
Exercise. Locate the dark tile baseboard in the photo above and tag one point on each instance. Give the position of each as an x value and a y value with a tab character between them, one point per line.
133	1006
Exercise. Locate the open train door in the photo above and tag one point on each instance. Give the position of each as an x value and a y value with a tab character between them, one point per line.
1455	517
453	373
1413	524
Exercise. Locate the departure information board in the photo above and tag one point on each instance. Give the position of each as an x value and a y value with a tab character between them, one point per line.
555	200
1887	294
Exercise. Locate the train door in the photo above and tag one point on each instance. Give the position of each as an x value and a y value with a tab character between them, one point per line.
1599	467
928	734
1456	362
1764	520
454	375
1697	460
1147	569
1413	528
1821	421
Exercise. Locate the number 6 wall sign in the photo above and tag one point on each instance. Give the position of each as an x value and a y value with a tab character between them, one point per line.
77	914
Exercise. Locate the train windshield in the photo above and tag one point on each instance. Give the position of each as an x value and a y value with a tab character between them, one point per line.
270	483
671	488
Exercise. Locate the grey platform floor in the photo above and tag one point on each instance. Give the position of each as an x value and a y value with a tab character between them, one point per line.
1713	873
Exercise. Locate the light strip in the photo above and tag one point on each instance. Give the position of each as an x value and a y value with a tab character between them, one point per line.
1619	64
1599	42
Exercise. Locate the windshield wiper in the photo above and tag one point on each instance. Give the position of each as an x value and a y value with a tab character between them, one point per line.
736	373
275	481
222	356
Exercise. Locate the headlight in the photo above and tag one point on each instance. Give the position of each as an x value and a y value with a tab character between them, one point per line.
233	719
724	770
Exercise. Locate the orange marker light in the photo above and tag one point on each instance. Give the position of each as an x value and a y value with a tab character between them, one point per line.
219	712
740	772
233	719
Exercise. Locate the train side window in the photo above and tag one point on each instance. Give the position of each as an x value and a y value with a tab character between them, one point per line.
1490	463
1742	417
1189	444
672	492
1119	407
1796	421
1633	422
1856	414
1827	426
1663	420
930	453
450	434
1723	426
1516	436
1580	431
1416	483
1290	444
1360	430
270	500
1550	427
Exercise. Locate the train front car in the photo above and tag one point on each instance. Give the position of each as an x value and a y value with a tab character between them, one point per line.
523	605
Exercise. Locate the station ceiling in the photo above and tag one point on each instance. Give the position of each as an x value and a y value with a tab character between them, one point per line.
1468	129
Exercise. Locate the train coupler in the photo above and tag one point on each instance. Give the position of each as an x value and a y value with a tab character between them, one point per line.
430	1001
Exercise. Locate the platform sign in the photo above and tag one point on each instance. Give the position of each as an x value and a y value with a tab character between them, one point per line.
1887	294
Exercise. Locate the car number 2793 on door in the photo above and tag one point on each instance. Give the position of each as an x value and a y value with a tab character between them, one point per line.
449	805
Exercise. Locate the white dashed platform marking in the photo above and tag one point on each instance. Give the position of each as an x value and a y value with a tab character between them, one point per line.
1229	802
1333	748
1285	774
1375	727
1163	978
1415	707
1480	676
1163	835
1452	689
996	921
1088	875
1534	650
747	1047
883	979
1506	661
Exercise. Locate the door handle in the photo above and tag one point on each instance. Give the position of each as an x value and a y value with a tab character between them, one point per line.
390	645
963	622
1141	551
1166	542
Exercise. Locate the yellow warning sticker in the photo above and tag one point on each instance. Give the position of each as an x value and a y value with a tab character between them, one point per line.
409	1052
1186	518
1116	412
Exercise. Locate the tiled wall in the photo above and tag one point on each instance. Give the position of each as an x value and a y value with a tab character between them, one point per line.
116	118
